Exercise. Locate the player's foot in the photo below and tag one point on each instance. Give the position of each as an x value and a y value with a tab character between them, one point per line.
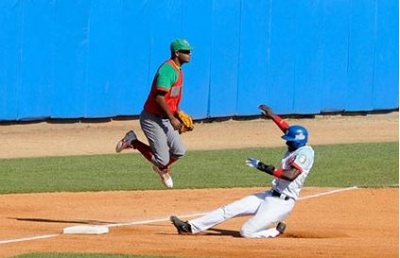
281	227
166	178
126	142
182	226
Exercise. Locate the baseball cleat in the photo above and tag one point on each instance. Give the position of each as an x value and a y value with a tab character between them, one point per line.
182	226
166	178
126	142
281	227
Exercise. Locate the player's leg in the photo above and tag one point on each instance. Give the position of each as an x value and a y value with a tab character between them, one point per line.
272	210
245	206
175	143
131	140
155	131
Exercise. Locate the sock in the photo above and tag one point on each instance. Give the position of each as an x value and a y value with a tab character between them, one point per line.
144	149
172	160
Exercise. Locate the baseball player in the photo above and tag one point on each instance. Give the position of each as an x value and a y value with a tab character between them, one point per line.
270	207
158	119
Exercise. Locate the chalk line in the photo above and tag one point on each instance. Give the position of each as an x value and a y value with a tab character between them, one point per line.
329	192
27	239
143	222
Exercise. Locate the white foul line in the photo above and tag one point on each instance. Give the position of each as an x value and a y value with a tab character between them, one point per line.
329	192
143	222
161	220
27	239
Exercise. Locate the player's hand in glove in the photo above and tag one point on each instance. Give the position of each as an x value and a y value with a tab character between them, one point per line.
266	111
186	121
252	162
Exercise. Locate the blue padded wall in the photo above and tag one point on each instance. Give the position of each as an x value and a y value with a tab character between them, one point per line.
70	61
97	58
334	48
10	59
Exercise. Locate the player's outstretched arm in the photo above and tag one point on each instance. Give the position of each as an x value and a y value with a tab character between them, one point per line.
267	111
289	175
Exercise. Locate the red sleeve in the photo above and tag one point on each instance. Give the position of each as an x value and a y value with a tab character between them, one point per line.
282	124
297	167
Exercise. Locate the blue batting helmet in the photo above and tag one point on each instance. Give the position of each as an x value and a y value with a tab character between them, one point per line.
296	134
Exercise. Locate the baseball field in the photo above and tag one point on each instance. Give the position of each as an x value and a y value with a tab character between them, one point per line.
331	219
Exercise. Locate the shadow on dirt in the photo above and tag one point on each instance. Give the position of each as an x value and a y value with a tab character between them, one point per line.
87	222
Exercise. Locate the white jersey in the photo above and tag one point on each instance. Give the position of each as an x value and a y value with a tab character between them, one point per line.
302	159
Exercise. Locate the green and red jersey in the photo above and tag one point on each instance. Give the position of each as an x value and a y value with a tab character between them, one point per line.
168	78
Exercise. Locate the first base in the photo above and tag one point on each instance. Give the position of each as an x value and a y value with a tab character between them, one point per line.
92	230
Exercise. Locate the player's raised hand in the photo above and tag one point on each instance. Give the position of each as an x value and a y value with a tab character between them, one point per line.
252	162
266	111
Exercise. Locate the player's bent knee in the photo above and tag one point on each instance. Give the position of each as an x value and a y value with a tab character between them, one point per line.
246	231
178	153
243	233
177	156
246	234
162	161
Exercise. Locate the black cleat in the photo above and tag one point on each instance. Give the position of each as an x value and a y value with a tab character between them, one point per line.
281	227
182	226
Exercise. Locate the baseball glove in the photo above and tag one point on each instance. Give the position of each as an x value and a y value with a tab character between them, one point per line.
186	120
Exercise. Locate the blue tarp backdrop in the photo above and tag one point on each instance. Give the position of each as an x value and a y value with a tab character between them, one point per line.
97	58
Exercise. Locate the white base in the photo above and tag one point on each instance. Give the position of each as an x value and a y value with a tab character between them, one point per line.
94	230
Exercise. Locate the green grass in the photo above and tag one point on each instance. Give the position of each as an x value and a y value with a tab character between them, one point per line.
369	165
